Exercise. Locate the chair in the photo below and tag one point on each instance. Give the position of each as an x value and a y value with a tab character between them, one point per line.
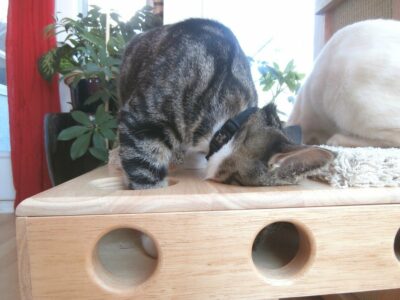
59	163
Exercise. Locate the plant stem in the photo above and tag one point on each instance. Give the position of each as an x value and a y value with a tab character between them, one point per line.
278	90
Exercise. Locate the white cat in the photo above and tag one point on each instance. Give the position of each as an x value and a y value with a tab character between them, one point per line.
352	96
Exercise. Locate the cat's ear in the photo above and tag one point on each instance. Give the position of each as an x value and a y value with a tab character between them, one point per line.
298	159
293	133
270	115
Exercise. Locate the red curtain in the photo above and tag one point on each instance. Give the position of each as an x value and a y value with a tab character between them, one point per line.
29	96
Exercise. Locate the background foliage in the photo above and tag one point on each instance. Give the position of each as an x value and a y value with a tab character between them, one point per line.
277	81
83	54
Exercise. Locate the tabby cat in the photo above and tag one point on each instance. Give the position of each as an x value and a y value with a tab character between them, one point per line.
179	84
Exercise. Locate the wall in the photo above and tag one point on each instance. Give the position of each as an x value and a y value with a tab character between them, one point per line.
332	15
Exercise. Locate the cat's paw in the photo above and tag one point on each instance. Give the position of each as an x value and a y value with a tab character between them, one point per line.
130	184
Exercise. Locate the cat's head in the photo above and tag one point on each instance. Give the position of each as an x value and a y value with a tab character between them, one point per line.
261	154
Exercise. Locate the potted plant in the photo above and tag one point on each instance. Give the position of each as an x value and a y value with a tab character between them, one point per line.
88	62
276	81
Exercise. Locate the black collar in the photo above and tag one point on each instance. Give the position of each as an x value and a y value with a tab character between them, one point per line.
226	132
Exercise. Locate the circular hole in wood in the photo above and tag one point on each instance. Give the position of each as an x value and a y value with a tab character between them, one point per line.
109	183
281	250
120	260
397	245
117	183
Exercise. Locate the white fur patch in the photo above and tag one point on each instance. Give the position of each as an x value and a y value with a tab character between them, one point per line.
195	156
204	144
217	158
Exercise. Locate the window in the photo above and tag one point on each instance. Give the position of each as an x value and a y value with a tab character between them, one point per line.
4	127
126	9
3	27
6	186
268	30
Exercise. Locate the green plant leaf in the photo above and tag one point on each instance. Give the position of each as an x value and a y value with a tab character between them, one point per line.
99	141
103	55
110	124
107	72
81	117
267	82
66	66
114	61
113	93
92	38
115	17
100	154
72	132
80	146
291	84
92	52
109	134
49	30
105	96
93	98
274	73
101	115
299	76
92	67
289	67
47	64
83	53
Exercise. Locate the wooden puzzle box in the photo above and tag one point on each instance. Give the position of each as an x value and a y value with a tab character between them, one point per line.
82	240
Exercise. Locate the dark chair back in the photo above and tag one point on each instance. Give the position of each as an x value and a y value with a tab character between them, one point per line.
59	163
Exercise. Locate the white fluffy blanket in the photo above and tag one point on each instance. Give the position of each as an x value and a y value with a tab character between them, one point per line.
362	167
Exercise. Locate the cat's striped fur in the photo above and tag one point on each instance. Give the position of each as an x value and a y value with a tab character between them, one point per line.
178	84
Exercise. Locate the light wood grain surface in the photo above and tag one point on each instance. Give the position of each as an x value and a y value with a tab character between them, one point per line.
8	258
208	255
24	266
101	192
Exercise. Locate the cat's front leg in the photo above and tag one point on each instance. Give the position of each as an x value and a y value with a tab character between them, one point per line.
145	153
139	175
